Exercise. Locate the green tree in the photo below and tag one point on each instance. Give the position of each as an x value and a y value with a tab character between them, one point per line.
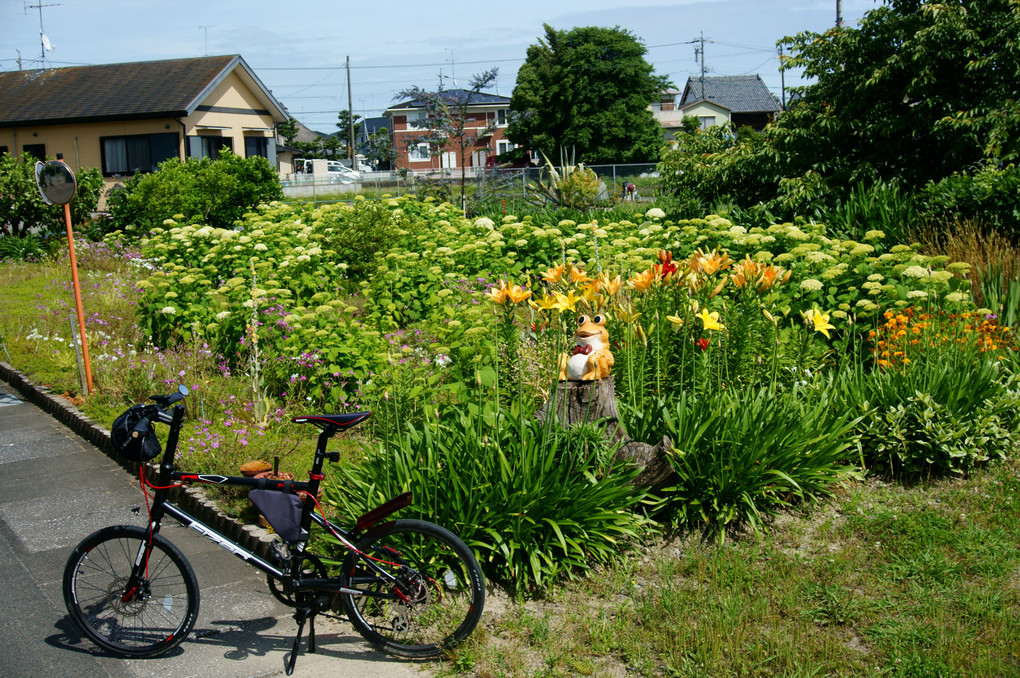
380	149
588	90
344	130
920	91
287	130
448	120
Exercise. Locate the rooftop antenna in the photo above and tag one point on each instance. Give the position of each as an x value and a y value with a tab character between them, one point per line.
44	42
453	67
206	29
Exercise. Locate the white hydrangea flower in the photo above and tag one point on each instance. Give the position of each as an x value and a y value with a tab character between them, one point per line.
223	315
168	310
485	222
915	272
917	294
811	285
956	297
655	213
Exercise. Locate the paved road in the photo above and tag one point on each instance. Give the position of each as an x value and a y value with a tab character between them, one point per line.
54	490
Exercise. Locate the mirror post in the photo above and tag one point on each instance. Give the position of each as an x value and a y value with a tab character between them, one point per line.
57	185
77	298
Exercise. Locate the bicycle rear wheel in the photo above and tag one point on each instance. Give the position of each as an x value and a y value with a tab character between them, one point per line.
430	596
144	623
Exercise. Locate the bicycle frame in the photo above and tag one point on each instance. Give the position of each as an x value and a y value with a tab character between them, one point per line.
292	581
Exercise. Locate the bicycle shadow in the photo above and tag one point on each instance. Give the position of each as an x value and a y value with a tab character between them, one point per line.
239	640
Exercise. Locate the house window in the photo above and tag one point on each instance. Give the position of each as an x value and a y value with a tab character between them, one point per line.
707	121
504	146
502	117
419	153
416	119
256	146
208	146
37	151
3	149
137	152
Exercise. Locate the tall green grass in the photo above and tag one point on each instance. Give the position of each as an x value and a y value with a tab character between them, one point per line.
534	500
742	455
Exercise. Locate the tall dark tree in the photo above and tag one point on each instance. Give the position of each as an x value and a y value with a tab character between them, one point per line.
587	90
344	127
448	120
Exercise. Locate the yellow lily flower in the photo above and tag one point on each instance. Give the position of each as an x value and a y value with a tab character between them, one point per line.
676	320
819	320
546	303
710	320
566	302
772	318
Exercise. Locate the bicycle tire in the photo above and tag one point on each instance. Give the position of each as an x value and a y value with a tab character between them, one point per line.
152	623
439	577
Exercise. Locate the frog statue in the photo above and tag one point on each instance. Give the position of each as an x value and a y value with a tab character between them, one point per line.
591	358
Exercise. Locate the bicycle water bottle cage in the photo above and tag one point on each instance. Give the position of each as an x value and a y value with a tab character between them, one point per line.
338	422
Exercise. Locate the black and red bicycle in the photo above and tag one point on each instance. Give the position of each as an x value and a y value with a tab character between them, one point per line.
409	587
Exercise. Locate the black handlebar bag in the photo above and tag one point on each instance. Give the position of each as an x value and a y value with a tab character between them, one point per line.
282	510
134	437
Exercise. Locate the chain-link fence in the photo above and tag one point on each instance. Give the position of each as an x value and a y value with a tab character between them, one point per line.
483	185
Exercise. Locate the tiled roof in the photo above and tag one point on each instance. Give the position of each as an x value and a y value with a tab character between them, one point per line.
457	96
143	89
739	93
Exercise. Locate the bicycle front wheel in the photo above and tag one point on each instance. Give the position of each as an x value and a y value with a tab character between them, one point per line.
428	596
152	617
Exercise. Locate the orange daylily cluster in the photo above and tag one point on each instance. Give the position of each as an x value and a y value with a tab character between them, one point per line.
909	332
506	291
749	273
695	272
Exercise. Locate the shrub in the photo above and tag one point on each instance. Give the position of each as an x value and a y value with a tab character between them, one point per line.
216	193
22	208
742	455
533	500
940	402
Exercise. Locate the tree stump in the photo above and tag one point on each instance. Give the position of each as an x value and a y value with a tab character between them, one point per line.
589	401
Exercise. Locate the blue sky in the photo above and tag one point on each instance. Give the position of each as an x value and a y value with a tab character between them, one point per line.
298	48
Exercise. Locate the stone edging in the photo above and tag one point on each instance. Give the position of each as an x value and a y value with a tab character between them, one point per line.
191	499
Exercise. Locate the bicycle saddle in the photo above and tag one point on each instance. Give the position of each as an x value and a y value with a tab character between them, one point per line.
337	421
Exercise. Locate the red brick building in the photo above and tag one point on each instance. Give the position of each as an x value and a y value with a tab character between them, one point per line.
487	117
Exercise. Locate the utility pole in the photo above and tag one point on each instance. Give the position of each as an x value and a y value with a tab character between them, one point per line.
350	117
839	13
782	75
700	52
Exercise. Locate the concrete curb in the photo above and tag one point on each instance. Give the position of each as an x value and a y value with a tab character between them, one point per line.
191	499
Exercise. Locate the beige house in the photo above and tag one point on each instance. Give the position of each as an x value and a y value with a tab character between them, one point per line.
736	100
127	118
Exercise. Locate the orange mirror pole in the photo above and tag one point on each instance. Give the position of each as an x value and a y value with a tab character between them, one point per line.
77	298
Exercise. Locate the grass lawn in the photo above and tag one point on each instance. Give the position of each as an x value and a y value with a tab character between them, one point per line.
885	580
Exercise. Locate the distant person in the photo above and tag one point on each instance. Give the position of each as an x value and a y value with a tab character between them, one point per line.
629	191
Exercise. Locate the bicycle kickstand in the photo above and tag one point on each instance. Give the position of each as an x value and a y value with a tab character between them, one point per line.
301	615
